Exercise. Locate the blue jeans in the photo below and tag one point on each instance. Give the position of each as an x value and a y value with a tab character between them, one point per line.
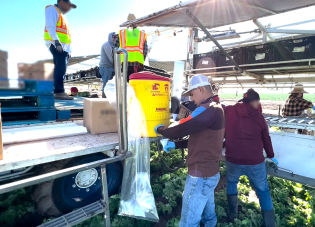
107	74
198	202
61	62
257	175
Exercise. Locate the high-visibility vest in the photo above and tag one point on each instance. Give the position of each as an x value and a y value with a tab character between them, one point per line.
133	41
62	29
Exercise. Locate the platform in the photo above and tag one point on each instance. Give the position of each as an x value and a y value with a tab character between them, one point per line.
38	152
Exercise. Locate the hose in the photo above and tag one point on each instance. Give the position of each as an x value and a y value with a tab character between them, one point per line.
181	164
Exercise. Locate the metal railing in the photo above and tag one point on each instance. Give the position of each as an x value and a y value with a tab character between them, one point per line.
121	99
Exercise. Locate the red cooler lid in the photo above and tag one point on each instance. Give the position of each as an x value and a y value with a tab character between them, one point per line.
147	76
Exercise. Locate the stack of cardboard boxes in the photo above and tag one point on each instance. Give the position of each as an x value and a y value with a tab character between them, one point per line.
3	64
36	71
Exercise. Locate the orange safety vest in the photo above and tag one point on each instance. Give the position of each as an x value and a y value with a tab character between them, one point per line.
62	29
133	41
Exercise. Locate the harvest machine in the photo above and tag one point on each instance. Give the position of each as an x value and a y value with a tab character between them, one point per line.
56	164
266	62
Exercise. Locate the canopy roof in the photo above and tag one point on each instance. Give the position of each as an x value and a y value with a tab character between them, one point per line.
216	13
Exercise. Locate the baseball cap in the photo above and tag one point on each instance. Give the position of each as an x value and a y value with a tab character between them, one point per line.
73	5
74	89
249	96
195	82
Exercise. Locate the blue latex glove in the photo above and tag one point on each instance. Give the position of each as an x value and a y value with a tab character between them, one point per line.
169	145
275	160
155	129
314	108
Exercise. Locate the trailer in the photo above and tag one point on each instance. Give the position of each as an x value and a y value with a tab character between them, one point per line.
74	171
89	167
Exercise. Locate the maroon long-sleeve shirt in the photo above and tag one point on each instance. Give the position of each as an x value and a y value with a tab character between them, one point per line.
247	134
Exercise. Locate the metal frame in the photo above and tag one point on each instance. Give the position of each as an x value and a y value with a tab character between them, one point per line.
205	30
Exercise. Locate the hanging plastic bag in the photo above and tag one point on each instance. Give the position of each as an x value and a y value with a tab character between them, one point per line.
137	199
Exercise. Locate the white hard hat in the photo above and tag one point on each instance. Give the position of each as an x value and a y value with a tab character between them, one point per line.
195	82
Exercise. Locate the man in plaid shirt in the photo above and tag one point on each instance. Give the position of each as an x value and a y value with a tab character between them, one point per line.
295	104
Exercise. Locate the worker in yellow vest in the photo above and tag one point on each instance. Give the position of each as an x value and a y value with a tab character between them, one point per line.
135	42
58	40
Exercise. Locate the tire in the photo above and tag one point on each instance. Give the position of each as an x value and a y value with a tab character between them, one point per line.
60	196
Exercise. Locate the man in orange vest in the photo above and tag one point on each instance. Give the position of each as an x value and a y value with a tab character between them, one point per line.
135	42
58	41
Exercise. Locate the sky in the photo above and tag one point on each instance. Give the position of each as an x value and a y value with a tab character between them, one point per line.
22	25
22	28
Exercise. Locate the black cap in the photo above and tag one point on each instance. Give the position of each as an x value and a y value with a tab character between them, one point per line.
249	96
69	1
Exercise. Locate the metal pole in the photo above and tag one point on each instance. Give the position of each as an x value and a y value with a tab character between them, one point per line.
117	62
198	23
121	97
105	196
124	103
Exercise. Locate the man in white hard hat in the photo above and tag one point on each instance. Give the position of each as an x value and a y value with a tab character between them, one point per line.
135	42
295	104
206	128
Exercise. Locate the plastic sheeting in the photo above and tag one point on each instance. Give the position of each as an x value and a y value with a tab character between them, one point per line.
137	199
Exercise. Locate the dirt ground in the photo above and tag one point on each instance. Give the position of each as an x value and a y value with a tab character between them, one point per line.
269	107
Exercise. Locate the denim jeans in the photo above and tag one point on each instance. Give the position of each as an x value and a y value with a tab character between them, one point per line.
61	62
257	175
198	202
107	74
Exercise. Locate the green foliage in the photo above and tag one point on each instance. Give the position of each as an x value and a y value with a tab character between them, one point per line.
294	204
271	97
174	222
14	205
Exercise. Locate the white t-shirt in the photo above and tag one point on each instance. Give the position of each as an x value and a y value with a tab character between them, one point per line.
51	19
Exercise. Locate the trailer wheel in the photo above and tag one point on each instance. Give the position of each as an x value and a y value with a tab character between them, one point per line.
60	196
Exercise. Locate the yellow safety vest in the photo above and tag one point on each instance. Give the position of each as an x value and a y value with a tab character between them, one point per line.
62	29
133	41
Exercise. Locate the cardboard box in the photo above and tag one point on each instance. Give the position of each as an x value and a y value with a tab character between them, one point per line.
36	71
99	116
3	64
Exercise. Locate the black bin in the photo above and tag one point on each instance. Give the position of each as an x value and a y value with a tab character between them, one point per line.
296	49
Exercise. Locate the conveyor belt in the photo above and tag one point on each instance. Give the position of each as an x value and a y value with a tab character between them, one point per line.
291	122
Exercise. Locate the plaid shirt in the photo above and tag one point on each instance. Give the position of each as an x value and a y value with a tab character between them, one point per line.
295	106
145	52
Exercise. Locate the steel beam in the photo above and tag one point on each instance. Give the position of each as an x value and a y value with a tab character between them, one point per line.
288	175
290	31
268	80
203	28
298	23
105	195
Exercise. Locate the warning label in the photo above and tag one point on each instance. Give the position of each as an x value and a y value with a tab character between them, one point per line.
161	110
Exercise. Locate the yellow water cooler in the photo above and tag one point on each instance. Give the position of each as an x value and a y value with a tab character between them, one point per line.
153	92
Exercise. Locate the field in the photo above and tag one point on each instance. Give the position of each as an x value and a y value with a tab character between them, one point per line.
294	204
270	97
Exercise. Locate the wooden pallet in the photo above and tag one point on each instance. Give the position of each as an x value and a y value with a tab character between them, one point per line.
26	101
67	109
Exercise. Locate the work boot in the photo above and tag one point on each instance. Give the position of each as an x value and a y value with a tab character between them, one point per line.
62	96
103	95
269	218
232	207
